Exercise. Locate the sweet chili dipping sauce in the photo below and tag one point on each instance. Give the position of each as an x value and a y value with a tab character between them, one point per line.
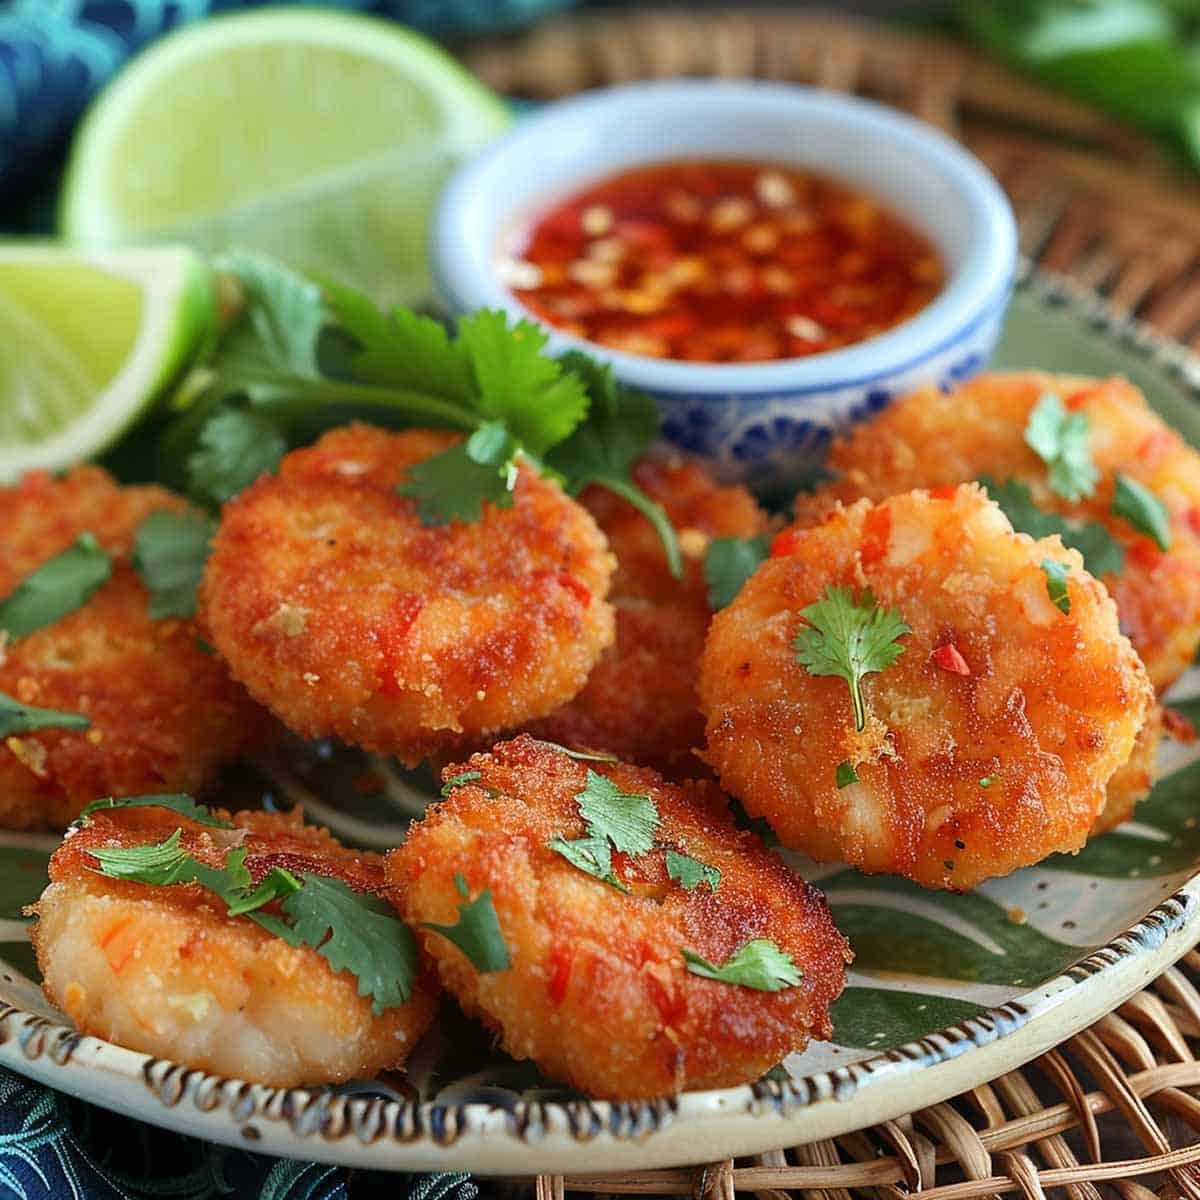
714	261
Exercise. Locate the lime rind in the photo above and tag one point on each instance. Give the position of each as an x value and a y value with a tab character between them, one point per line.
178	305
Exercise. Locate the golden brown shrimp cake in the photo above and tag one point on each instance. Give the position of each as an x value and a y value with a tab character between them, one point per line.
1132	782
346	615
640	700
598	993
164	714
166	971
928	439
989	743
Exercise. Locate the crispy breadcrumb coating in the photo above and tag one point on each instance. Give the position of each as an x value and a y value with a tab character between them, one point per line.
164	714
342	612
597	993
928	440
166	971
995	684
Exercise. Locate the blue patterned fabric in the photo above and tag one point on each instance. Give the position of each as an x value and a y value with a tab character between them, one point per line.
54	1148
56	54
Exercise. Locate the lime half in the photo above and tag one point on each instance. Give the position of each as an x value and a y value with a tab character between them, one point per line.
319	137
87	343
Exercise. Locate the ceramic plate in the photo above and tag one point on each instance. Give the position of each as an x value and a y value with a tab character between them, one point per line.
946	991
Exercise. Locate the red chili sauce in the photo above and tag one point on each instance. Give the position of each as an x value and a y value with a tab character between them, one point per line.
711	261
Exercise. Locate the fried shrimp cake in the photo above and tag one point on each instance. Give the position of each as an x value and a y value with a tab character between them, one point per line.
640	701
165	970
987	745
346	615
164	714
598	992
928	439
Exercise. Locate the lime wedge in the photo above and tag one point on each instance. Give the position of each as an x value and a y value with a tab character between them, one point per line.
87	342
319	137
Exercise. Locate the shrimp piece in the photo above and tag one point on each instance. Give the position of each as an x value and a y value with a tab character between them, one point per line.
345	615
598	993
1132	783
640	700
989	743
164	714
928	440
165	971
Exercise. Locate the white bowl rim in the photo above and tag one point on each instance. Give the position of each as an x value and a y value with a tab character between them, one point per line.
975	290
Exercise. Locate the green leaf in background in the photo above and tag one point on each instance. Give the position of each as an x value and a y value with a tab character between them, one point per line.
728	563
22	878
16	717
169	553
880	1018
235	447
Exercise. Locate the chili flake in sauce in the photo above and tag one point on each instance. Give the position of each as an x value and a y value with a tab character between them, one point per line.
711	261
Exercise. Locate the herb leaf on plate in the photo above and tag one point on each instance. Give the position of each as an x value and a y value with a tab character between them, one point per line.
1142	509
1060	440
56	588
759	964
169	553
728	563
178	802
690	872
1056	583
477	931
16	717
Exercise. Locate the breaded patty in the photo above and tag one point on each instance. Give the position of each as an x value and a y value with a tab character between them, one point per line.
164	714
929	439
166	971
1132	783
640	701
342	612
989	743
598	993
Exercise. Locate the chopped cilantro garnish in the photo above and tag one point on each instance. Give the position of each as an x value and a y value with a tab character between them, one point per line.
16	717
846	774
1056	583
1060	440
298	357
1101	554
690	872
728	563
1142	509
850	639
352	931
169	553
582	755
58	587
477	931
759	964
616	820
986	781
458	780
177	802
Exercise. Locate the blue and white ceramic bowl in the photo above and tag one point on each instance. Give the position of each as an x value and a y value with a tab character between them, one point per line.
765	423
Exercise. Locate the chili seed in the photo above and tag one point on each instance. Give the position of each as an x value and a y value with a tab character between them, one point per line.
774	190
729	214
596	220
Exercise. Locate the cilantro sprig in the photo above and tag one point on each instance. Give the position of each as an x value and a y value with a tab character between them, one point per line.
1060	440
177	802
690	872
477	931
759	964
301	357
1056	583
849	638
16	717
169	553
353	931
56	588
1138	505
728	563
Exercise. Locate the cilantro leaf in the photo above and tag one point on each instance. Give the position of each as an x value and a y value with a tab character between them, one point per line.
628	820
759	964
621	425
58	587
458	780
850	639
728	563
581	755
353	931
356	932
1142	509
476	932
177	802
169	553
846	774
1101	554
16	717
530	392
402	347
690	872
235	447
986	781
456	484
592	855
1056	583
1060	440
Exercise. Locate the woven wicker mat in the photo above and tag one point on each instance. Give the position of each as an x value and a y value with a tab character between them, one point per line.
1114	1111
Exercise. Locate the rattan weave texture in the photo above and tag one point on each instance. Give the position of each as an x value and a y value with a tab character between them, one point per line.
1114	1111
